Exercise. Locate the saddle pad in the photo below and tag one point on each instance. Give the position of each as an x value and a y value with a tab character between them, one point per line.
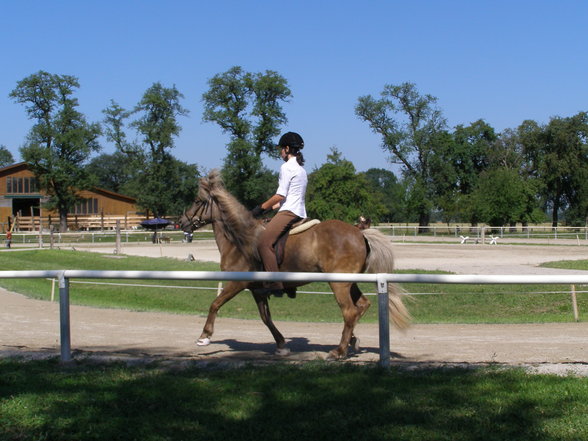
305	226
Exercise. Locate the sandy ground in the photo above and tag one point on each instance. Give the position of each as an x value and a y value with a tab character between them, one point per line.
30	328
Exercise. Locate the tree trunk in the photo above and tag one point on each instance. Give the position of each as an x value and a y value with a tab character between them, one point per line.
62	221
555	214
424	219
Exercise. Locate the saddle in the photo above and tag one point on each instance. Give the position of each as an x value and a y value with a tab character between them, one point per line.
297	228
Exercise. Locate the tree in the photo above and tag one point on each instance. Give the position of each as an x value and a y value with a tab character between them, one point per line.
112	172
502	197
458	161
562	162
473	145
162	184
157	126
247	107
60	142
409	124
392	193
6	157
336	191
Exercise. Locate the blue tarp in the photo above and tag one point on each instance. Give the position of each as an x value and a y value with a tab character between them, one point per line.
156	222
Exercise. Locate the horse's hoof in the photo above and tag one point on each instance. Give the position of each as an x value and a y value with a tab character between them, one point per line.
333	355
354	344
282	352
203	342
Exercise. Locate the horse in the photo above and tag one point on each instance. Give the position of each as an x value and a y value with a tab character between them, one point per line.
331	246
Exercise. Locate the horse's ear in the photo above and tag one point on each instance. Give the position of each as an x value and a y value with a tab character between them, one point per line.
214	179
204	188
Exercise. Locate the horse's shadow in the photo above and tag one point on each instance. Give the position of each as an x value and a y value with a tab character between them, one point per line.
296	345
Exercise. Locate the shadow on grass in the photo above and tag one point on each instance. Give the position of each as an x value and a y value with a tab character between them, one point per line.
43	400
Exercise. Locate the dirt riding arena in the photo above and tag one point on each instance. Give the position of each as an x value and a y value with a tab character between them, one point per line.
30	328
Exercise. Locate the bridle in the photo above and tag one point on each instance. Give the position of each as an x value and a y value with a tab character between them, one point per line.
195	220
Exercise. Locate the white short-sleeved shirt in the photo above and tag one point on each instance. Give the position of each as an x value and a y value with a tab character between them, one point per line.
292	185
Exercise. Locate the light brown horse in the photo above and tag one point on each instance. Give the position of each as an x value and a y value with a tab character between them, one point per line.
331	246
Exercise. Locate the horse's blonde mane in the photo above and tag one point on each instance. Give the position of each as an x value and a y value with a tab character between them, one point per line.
236	222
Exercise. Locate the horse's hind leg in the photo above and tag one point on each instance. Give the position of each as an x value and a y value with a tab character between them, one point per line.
363	304
351	314
230	290
266	317
361	301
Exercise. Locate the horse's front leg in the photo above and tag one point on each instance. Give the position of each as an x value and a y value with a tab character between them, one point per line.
230	290
266	317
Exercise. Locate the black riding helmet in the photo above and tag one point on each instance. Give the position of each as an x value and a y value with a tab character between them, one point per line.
292	140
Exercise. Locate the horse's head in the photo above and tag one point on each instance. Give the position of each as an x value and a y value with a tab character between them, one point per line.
200	213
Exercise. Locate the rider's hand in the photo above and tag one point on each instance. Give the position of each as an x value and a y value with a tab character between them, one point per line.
257	212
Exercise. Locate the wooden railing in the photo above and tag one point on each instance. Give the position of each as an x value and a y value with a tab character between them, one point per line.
75	222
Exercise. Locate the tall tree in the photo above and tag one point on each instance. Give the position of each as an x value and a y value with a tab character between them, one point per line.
459	159
162	184
157	126
6	157
336	191
473	145
61	140
247	106
559	151
409	124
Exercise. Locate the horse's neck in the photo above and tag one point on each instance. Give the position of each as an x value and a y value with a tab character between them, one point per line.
232	259
222	242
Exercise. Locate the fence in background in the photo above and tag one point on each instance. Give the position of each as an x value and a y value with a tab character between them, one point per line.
486	234
74	222
469	235
381	281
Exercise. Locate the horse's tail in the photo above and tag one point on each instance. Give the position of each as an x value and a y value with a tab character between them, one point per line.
380	259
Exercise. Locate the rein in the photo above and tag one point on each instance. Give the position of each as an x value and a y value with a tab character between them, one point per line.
195	219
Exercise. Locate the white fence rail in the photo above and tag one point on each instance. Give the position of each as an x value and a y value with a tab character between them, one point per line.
381	281
482	234
479	235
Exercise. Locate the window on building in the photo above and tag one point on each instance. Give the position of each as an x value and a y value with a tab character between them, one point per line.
26	185
86	206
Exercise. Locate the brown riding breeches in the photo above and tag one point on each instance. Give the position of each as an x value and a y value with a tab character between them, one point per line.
279	224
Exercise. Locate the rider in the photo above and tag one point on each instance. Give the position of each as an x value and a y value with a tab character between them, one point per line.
289	198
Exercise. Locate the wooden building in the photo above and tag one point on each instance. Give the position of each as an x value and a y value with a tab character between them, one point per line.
22	200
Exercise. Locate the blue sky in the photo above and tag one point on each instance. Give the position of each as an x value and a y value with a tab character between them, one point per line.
501	61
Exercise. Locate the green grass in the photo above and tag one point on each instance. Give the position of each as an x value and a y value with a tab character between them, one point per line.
568	264
457	304
315	401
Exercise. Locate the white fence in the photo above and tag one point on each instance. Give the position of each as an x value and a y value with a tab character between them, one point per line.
381	281
479	235
484	234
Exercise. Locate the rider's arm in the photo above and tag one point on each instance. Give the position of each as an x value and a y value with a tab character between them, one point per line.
273	202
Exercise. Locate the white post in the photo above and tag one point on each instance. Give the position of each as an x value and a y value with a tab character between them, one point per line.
64	325
117	236
384	320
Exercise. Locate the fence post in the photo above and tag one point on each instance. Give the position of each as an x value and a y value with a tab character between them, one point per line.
65	335
40	234
117	236
575	303
384	320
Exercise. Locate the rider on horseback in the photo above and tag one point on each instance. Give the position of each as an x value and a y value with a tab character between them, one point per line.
289	198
